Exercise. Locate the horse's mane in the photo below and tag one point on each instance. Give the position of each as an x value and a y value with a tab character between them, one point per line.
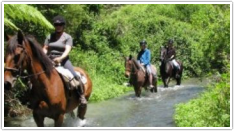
38	52
136	63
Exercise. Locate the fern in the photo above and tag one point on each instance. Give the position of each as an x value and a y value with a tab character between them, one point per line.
24	12
9	24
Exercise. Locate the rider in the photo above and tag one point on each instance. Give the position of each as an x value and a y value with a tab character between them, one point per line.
144	59
57	46
171	55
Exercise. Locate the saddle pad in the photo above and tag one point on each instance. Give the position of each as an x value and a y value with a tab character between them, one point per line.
67	74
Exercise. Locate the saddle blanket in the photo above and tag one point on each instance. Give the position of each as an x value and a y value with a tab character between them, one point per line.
68	76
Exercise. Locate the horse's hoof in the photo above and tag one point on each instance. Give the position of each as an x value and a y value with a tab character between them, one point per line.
81	122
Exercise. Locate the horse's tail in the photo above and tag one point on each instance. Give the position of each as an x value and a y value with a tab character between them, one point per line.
181	66
154	70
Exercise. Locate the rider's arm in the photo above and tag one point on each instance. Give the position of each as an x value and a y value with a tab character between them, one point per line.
69	44
46	43
45	49
66	52
172	57
147	58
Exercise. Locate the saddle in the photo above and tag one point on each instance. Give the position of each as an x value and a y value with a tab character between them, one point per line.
152	69
69	78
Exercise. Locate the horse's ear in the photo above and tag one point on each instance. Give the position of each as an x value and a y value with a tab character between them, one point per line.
7	37
20	37
130	57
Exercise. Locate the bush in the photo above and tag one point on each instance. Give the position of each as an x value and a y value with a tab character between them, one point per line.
211	109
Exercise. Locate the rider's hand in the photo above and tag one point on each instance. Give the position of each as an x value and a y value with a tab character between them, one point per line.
57	60
172	57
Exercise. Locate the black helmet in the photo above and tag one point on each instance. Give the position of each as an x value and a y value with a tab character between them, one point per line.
59	20
143	42
170	41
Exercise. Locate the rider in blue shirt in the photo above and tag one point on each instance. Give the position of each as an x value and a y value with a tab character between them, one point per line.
144	57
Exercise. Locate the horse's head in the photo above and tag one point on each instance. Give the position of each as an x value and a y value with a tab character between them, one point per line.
128	66
163	52
15	59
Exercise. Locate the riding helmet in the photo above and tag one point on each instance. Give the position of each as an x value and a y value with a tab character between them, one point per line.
59	20
143	42
170	41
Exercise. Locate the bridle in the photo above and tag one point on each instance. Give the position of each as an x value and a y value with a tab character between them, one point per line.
130	69
19	71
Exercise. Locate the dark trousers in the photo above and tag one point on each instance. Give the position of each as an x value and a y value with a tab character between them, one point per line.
66	63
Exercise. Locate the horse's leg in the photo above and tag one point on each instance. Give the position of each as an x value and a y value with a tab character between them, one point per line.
139	92
155	84
39	119
81	114
59	120
81	111
178	80
168	80
135	89
164	81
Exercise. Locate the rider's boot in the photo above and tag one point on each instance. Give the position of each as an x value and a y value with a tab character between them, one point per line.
80	91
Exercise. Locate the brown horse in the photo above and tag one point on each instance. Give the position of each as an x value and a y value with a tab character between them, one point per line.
138	77
49	96
167	70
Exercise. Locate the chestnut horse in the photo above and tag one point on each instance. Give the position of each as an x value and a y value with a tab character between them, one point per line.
138	77
167	70
49	97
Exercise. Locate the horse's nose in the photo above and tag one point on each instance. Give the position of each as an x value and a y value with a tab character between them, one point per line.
7	85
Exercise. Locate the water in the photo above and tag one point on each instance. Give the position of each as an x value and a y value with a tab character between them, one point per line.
151	110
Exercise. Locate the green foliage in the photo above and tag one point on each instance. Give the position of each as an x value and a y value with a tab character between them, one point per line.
8	23
122	30
12	105
24	12
49	11
28	19
103	70
211	109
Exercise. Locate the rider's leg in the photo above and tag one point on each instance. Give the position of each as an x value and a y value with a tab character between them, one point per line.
68	65
177	66
149	72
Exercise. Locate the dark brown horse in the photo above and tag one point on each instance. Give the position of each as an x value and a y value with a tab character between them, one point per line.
49	97
167	70
138	77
